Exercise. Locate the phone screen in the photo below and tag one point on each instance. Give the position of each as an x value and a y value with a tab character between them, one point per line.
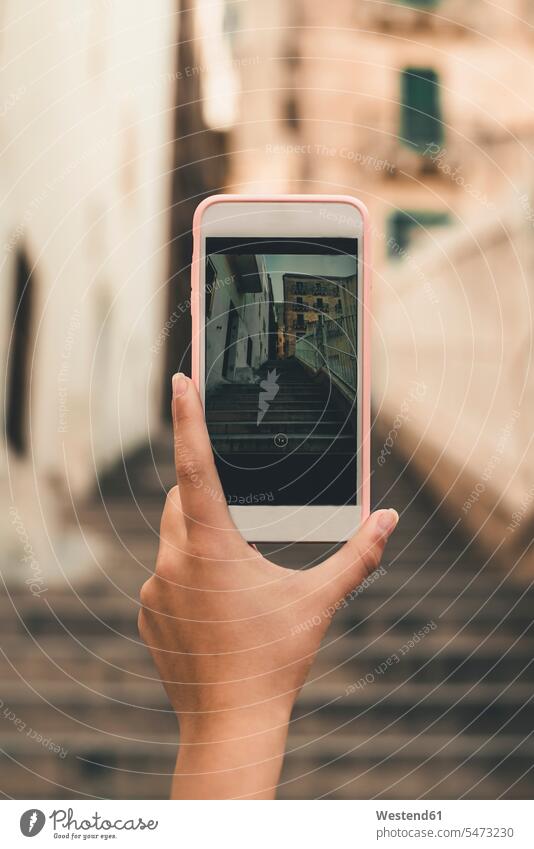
281	353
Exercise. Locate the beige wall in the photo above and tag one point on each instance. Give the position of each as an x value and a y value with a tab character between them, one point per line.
261	47
464	339
88	92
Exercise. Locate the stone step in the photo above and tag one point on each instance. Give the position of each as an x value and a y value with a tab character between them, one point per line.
432	766
285	417
265	443
406	609
393	781
348	697
347	654
288	411
95	766
250	391
442	749
446	598
445	640
366	615
308	428
460	660
383	706
72	662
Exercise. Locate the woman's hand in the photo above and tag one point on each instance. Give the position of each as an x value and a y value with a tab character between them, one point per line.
222	623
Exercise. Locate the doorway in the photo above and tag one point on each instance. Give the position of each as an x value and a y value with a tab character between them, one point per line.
19	360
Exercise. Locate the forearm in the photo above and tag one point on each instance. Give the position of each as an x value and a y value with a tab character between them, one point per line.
230	757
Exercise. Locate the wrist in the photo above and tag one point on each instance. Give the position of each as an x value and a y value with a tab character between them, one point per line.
232	724
230	754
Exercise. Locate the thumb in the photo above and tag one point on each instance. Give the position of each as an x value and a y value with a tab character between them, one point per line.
201	495
360	556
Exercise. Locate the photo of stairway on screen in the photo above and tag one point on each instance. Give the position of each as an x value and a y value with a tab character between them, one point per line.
281	368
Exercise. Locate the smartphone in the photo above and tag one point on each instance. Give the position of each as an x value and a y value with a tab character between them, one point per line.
280	356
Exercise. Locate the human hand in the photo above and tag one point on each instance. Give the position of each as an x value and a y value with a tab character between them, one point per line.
222	622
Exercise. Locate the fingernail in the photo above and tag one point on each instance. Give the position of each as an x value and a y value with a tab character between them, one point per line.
179	384
387	521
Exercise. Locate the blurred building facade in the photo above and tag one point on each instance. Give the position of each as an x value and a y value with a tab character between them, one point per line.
405	104
87	130
240	312
307	301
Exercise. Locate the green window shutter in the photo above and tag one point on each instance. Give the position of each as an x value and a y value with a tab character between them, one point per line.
420	4
421	121
404	223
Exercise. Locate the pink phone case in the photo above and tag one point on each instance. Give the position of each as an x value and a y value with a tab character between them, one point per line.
366	316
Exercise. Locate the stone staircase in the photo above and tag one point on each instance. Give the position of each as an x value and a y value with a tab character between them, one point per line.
83	714
423	688
305	436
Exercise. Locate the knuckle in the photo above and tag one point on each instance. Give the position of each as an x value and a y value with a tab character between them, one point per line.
147	594
370	559
165	568
188	466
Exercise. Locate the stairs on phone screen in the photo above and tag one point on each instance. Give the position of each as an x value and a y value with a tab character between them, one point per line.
305	435
84	715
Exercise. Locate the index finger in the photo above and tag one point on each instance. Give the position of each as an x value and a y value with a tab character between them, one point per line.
201	493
